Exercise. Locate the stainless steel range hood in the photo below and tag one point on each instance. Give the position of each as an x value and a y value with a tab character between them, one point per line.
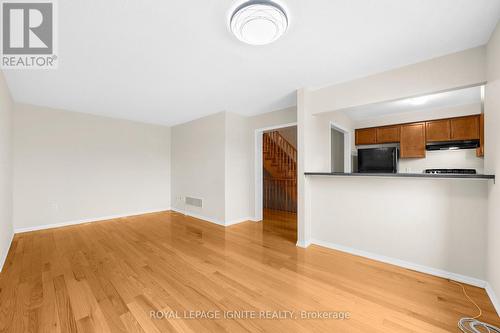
452	145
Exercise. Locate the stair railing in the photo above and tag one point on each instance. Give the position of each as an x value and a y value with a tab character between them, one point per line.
280	194
280	190
285	152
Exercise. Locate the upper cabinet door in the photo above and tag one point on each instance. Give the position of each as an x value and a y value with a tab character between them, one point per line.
366	136
412	140
465	128
480	150
388	134
438	130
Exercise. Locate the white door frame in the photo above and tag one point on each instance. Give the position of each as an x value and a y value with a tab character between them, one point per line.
259	176
347	146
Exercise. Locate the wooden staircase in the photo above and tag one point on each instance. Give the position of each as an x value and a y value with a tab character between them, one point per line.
280	173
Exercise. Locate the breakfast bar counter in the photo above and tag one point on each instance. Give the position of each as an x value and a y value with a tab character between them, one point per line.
437	222
401	175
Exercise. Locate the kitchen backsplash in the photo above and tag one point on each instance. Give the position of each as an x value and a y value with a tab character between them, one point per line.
443	159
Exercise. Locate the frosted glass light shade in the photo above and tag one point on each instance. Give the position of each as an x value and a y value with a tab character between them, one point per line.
259	22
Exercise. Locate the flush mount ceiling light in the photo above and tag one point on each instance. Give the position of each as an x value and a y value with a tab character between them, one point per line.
259	22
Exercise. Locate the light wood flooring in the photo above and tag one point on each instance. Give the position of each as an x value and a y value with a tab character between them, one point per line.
108	276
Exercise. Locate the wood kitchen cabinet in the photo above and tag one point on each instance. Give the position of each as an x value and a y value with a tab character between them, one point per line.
438	130
388	134
412	144
366	136
465	128
412	137
480	150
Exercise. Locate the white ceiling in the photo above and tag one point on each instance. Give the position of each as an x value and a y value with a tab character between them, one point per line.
429	102
170	61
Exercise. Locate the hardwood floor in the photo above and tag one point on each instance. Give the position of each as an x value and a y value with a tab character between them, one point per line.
109	276
281	224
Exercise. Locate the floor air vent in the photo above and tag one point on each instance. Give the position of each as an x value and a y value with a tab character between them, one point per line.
194	202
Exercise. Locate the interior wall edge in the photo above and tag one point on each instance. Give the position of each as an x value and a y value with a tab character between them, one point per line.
304	244
493	297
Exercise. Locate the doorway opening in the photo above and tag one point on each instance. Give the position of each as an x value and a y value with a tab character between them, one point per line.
279	181
337	145
340	149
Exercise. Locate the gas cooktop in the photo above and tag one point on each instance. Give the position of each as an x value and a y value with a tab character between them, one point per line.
452	171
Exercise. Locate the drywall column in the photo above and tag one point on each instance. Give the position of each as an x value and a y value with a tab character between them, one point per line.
303	220
492	165
311	158
238	169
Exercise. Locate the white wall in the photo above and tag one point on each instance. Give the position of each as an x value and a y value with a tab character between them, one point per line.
198	166
71	166
6	229
238	169
492	160
274	118
458	70
440	224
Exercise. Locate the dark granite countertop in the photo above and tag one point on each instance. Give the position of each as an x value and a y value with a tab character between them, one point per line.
401	175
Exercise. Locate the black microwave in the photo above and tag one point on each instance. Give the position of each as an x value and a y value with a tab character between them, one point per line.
378	160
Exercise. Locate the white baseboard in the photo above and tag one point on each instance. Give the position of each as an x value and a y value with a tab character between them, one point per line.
493	297
405	264
241	220
212	220
198	216
4	254
88	220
